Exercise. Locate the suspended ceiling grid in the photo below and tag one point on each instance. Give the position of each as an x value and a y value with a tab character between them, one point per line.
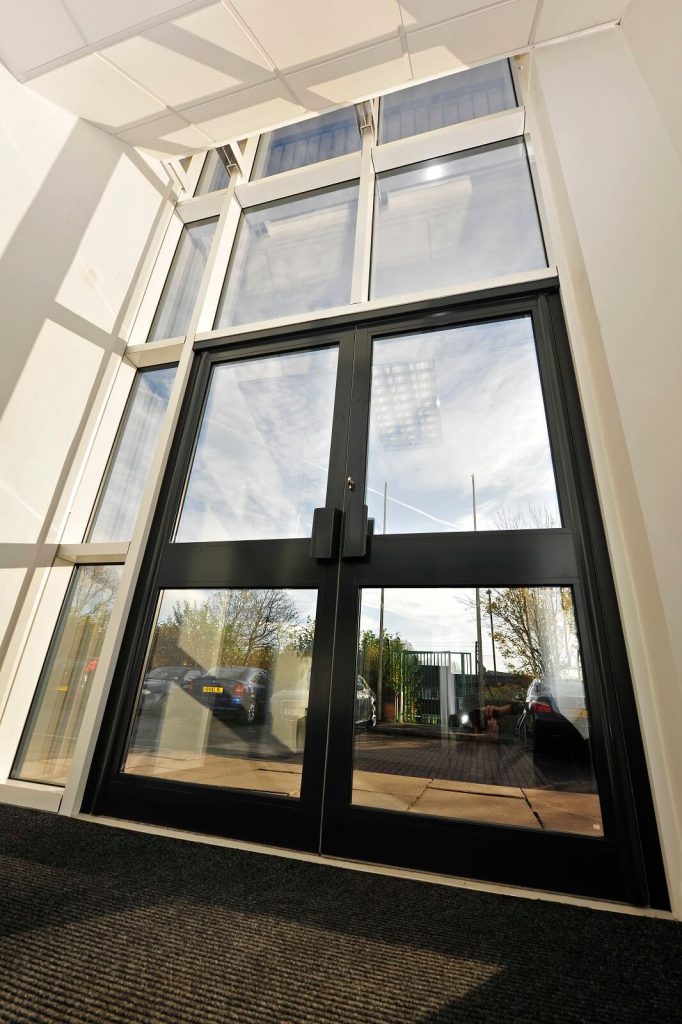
173	78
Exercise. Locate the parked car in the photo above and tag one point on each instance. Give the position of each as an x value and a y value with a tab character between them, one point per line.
234	691
555	715
365	704
158	683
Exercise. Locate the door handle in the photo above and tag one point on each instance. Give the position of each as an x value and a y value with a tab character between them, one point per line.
355	532
324	541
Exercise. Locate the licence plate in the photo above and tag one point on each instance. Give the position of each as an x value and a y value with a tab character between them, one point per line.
582	713
293	711
213	689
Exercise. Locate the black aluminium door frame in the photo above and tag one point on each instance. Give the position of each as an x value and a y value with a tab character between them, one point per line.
286	563
626	864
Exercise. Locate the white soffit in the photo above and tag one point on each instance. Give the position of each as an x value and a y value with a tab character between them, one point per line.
457	43
204	54
36	32
301	32
173	78
561	17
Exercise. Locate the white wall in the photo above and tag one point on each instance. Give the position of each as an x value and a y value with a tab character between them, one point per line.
653	30
79	211
611	176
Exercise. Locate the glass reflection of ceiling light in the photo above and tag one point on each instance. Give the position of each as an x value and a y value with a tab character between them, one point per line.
405	405
311	221
432	172
437	198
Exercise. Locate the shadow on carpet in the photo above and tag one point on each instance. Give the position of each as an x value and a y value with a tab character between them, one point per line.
103	926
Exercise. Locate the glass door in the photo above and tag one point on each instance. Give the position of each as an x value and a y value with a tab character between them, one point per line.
224	710
468	726
376	619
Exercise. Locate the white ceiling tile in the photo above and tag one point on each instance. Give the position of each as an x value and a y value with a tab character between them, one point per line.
193	58
35	32
422	13
558	17
98	19
215	24
355	76
295	32
166	137
472	38
249	110
97	92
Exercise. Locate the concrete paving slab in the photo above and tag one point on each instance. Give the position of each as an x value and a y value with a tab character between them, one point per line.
475	807
579	813
384	801
407	787
514	792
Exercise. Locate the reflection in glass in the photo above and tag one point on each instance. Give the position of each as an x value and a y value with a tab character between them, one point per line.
461	218
472	93
182	284
214	175
224	695
292	256
51	731
308	142
457	738
260	465
451	403
132	455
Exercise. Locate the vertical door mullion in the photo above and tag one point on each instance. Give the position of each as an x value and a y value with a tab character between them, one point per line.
339	763
336	480
319	714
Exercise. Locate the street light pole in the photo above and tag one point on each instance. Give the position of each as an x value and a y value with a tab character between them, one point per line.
492	635
479	631
380	678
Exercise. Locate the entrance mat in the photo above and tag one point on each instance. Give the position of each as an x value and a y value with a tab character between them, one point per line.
101	925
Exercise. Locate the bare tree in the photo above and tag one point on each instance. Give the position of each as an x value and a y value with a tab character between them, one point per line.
229	627
535	630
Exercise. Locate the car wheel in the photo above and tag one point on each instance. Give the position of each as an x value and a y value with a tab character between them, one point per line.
249	714
372	720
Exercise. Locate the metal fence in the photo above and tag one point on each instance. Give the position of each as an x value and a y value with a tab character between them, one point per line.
432	685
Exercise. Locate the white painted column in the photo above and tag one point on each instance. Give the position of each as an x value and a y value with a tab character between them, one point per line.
611	178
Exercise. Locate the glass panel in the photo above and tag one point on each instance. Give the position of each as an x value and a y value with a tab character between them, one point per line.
292	256
182	284
460	218
475	92
506	741
132	455
261	461
214	175
308	142
51	731
224	696
454	403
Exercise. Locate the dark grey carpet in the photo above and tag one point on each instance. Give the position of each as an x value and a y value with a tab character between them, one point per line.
103	925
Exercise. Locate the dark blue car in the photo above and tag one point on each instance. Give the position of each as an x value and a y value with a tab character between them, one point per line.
234	691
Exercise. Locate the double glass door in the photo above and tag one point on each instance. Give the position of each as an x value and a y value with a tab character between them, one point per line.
365	626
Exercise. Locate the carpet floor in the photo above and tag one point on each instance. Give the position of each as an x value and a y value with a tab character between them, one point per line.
99	924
